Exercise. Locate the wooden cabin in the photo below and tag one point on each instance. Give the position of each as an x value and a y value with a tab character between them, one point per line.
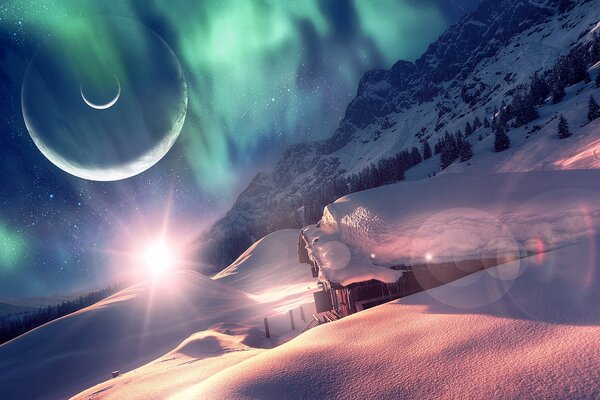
346	300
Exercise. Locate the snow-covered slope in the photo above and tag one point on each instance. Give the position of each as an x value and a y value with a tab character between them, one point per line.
269	265
474	66
529	327
454	217
183	322
126	330
269	271
199	357
539	340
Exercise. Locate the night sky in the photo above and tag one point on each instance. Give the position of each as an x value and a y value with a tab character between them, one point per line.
260	75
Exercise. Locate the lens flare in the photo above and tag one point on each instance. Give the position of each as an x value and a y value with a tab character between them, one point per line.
158	258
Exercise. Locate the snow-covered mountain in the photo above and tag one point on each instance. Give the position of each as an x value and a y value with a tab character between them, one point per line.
475	66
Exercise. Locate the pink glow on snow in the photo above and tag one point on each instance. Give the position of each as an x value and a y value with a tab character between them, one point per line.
539	340
586	157
539	248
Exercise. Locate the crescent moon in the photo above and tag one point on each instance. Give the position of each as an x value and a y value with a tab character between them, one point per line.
105	105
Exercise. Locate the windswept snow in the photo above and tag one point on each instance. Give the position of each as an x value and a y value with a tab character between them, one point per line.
186	323
129	329
269	270
200	356
539	340
456	217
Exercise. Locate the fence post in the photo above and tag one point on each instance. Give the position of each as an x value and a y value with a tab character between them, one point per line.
302	314
292	320
267	333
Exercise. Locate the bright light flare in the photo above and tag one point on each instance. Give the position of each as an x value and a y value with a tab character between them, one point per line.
428	257
158	258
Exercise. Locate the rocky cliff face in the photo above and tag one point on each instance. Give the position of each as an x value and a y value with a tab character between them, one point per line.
467	72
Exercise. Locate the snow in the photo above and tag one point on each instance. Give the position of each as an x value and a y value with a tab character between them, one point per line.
539	340
526	328
269	269
541	150
197	358
455	217
170	328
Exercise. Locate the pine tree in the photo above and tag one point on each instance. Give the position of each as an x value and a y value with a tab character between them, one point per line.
450	149
538	89
523	107
501	139
598	80
563	128
505	113
494	123
468	129
558	93
466	150
593	109
426	150
476	123
577	68
486	122
415	156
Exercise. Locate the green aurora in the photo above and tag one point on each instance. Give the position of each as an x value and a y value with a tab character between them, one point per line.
258	72
12	248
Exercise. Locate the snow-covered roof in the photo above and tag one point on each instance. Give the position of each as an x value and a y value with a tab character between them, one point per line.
453	217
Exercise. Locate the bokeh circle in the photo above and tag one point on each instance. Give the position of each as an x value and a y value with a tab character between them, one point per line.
467	239
98	57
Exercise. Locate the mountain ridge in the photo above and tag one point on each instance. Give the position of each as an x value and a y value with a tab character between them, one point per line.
472	68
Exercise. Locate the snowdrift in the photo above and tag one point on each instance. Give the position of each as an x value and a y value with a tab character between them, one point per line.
200	356
126	330
269	265
540	339
270	270
454	217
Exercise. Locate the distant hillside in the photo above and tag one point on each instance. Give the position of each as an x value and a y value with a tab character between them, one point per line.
8	309
13	324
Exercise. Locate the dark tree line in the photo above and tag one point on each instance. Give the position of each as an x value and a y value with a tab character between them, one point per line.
452	147
501	139
385	171
593	109
13	326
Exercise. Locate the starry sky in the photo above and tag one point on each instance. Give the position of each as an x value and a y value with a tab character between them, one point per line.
260	75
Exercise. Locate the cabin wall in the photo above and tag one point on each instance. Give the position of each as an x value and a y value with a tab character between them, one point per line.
359	296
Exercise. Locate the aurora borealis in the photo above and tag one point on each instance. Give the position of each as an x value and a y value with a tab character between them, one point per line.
260	75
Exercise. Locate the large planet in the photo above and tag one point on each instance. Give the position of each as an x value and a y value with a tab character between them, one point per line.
104	99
